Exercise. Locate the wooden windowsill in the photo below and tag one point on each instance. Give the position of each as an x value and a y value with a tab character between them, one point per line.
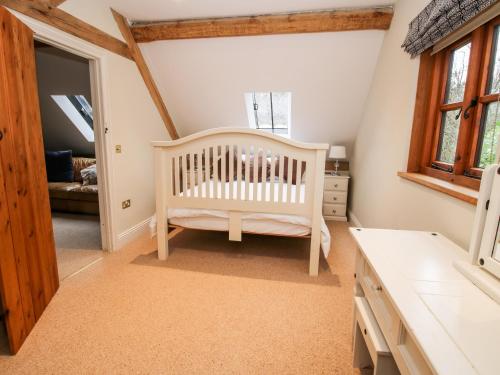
456	191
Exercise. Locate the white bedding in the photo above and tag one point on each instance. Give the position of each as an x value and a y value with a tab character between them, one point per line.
205	190
253	222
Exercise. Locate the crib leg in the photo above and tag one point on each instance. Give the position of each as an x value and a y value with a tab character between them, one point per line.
162	239
314	253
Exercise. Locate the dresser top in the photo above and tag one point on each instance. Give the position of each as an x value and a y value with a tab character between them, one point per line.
456	325
342	174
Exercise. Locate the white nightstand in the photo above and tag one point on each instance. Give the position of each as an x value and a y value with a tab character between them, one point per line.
335	196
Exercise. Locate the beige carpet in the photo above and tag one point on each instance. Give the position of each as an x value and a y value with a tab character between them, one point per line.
78	242
213	308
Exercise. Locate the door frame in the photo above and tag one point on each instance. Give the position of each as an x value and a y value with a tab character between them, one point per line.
102	127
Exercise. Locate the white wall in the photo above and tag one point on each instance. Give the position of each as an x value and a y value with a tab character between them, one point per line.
203	81
133	122
379	197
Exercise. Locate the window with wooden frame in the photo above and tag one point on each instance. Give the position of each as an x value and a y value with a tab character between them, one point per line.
457	115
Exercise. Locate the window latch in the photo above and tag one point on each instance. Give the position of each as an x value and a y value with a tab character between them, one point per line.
439	167
472	104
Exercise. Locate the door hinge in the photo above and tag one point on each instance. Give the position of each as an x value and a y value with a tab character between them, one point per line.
4	314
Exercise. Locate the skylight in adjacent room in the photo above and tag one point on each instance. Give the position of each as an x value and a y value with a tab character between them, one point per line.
269	111
79	111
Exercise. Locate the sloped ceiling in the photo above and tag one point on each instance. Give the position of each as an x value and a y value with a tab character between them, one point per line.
151	10
203	81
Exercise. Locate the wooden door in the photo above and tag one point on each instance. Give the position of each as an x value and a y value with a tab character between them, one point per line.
28	268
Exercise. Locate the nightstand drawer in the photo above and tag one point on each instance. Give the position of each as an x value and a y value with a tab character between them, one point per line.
334	209
338	184
335	197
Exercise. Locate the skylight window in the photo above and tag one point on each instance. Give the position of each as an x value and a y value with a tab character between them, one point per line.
269	111
79	111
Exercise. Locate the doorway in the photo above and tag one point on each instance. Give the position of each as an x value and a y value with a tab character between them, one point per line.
65	96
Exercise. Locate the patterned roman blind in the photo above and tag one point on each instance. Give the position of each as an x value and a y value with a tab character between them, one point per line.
438	19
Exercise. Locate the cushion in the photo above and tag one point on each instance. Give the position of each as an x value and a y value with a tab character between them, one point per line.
293	173
63	186
88	189
80	163
59	166
89	175
262	162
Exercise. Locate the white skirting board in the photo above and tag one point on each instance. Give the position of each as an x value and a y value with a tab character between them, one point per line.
354	220
132	233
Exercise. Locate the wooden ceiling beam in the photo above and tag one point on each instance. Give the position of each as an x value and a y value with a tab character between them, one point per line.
291	23
46	12
137	56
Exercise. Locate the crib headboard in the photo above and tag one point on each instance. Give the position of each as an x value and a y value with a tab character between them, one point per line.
238	169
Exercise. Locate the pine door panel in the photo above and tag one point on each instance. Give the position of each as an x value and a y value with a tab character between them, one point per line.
24	176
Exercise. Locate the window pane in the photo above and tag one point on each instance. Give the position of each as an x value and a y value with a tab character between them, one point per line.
448	137
280	109
494	78
263	100
83	107
457	76
488	142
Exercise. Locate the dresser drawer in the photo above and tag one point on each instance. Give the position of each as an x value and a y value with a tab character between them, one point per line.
383	310
370	330
338	184
334	209
409	356
335	197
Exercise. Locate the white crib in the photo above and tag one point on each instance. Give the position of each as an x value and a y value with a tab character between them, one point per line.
240	171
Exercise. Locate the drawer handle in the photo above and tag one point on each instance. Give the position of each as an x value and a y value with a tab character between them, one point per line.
334	198
377	288
334	211
336	185
364	331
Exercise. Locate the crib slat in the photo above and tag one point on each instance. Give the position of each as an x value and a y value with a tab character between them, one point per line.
280	178
207	173
307	177
298	182
273	176
231	172
215	166
247	173
223	171
184	175
289	179
176	175
256	153
199	167
238	172
192	172
263	175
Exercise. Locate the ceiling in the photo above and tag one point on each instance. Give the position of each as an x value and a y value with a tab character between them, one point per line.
154	10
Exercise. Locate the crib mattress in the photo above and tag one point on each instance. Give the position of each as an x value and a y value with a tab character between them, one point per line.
251	222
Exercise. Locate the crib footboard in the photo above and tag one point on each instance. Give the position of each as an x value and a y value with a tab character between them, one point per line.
240	170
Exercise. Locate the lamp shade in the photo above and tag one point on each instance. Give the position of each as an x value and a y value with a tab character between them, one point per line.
337	152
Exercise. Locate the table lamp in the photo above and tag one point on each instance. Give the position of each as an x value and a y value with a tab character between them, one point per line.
337	152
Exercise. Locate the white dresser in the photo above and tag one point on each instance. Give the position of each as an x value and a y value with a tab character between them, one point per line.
415	313
335	197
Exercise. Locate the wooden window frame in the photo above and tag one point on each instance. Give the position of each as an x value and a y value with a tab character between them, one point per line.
429	107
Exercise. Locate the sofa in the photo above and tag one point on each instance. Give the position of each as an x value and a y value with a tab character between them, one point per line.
72	195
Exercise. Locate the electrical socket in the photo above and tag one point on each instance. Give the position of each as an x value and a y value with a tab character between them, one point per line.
118	149
126	204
